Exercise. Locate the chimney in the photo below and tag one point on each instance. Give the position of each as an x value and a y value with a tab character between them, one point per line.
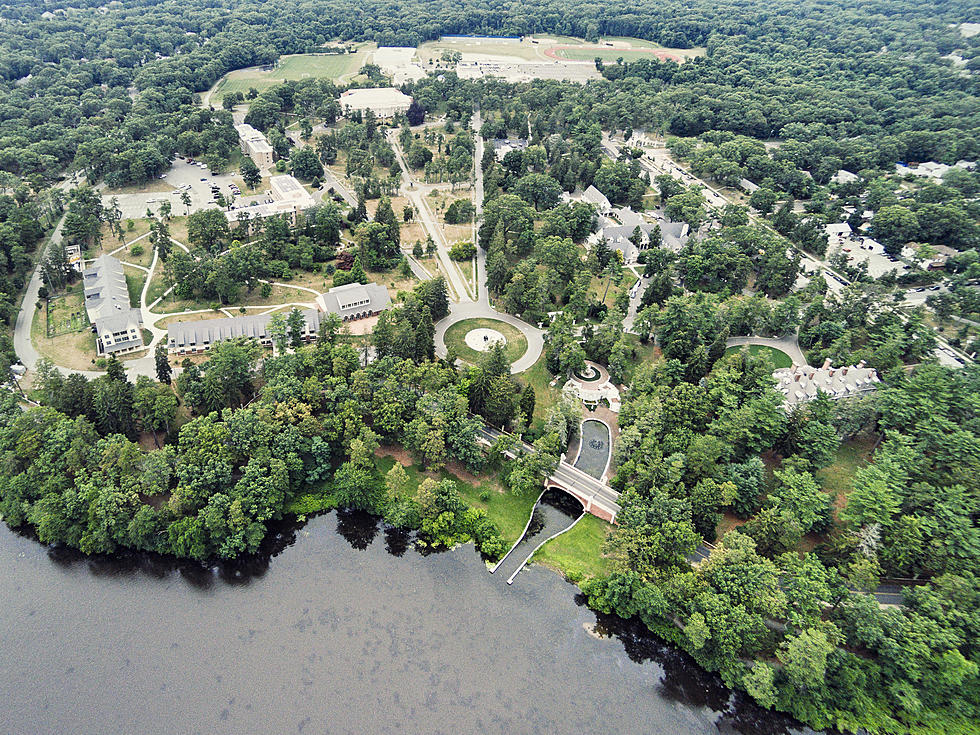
844	371
826	364
797	377
861	364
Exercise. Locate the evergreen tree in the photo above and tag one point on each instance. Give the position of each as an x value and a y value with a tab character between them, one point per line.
528	399
386	215
357	274
295	323
164	371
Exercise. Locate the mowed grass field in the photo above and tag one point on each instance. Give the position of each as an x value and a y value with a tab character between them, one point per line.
778	358
292	68
612	55
516	344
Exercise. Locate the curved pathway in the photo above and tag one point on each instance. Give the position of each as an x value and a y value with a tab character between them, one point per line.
479	310
789	345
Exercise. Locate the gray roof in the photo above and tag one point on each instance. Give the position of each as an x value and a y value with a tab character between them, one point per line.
107	303
197	335
355	298
594	196
801	383
105	288
673	234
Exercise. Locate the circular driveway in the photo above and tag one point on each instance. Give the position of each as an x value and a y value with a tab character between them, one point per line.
479	310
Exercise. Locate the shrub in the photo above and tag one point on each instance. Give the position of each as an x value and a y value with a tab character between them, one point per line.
462	250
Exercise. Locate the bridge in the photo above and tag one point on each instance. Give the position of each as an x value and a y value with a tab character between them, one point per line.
595	496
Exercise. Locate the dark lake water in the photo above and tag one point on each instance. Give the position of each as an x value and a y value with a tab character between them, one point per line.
343	628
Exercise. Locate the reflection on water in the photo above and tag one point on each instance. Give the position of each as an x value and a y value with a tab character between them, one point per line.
327	631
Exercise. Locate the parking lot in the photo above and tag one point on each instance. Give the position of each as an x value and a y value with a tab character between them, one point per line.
878	263
197	181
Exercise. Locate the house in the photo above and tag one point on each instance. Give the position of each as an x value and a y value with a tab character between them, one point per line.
597	198
289	198
354	301
844	177
747	186
802	383
619	235
931	169
503	146
254	145
838	230
187	338
117	325
383	101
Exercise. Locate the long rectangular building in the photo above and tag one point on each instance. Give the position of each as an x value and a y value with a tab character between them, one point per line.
117	325
254	145
289	198
190	337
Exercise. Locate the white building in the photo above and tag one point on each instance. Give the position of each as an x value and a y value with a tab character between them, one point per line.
289	198
383	101
931	169
802	383
254	145
844	177
596	197
354	301
118	326
185	338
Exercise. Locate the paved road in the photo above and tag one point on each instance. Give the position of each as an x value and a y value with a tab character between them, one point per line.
480	310
602	496
413	191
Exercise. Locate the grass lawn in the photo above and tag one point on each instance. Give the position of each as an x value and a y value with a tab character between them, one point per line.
545	395
144	259
135	278
778	358
294	67
508	512
516	342
65	314
75	351
837	477
579	552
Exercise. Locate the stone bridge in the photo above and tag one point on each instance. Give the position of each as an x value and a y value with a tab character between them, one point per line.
596	497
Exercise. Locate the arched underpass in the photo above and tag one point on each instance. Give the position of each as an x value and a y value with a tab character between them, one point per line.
555	512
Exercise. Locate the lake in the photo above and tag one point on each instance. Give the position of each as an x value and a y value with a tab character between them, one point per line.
343	627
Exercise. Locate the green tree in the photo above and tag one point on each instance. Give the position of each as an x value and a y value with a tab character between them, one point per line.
250	173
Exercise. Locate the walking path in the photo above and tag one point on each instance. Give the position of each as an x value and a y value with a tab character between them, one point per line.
468	304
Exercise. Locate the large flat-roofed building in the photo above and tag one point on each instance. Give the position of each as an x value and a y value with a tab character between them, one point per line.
383	101
117	325
289	198
185	338
355	300
254	145
800	384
